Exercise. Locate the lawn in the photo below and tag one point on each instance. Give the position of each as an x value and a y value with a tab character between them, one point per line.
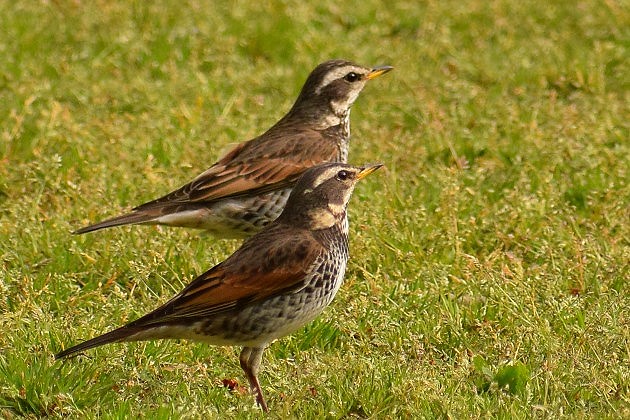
489	260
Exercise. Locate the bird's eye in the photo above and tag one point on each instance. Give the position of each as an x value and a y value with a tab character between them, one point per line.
351	77
343	175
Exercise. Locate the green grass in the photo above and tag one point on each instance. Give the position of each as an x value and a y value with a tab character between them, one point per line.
489	269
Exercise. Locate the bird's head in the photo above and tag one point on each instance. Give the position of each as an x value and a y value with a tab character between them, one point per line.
321	195
333	86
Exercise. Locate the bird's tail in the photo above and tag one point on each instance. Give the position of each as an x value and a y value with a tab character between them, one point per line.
132	218
117	335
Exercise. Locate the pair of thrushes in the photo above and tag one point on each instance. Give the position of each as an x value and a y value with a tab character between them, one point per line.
289	188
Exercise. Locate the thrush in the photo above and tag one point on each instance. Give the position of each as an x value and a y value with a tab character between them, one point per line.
248	187
277	281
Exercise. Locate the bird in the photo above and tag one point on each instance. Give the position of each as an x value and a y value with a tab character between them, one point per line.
280	279
248	187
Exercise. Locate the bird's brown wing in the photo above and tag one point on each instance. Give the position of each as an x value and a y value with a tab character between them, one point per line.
251	274
255	167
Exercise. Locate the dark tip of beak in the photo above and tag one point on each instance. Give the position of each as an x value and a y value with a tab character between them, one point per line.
377	71
368	169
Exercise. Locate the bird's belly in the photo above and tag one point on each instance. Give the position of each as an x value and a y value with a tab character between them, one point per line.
238	217
276	317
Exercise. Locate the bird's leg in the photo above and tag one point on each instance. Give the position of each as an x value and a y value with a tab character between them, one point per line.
250	359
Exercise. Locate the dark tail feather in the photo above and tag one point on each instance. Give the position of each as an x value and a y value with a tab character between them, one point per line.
126	219
120	334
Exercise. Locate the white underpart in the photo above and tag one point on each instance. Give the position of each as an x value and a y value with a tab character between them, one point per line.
336	208
224	217
340	107
325	218
321	219
200	216
190	216
330	120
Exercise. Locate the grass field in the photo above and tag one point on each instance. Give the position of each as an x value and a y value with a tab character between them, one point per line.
489	262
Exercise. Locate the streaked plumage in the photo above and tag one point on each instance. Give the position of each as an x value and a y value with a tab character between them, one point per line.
248	187
277	281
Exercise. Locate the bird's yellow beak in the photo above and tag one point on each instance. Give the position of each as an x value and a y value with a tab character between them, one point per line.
368	170
377	71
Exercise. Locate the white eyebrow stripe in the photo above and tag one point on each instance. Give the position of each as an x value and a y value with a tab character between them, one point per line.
327	174
335	74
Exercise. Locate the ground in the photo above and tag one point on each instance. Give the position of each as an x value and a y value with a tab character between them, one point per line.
489	259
